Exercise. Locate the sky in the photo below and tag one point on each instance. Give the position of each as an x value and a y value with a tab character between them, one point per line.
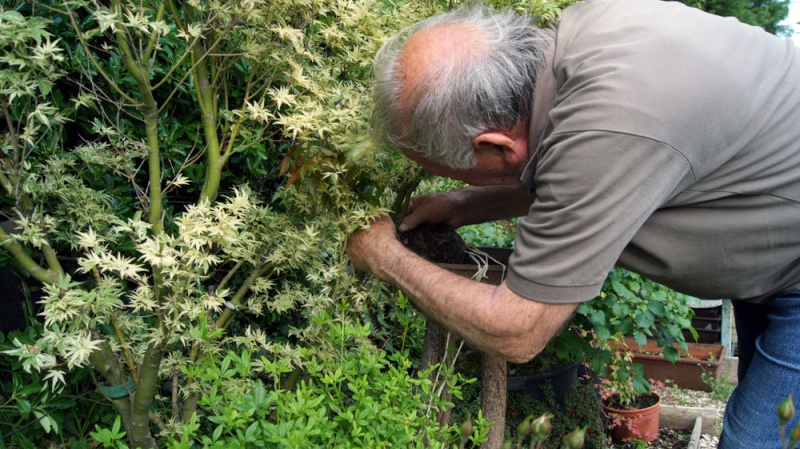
794	17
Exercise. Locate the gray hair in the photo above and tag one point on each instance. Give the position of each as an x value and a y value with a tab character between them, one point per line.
491	89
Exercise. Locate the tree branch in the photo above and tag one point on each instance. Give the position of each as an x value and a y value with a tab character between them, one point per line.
16	250
151	44
91	57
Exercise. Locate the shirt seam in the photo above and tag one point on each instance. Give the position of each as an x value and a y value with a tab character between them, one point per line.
679	152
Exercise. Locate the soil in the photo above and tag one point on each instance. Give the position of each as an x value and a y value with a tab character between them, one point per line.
641	401
436	242
667	439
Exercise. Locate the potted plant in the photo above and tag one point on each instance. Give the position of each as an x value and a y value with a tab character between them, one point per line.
657	325
629	305
629	405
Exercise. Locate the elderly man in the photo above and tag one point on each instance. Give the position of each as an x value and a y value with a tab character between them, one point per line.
637	133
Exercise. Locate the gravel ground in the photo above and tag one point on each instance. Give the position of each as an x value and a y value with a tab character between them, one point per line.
694	398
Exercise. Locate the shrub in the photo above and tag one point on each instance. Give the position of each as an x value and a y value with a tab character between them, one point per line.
182	178
581	409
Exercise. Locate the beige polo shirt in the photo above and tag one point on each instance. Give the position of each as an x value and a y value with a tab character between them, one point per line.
667	141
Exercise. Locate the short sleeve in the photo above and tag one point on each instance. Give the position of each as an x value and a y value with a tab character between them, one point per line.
594	190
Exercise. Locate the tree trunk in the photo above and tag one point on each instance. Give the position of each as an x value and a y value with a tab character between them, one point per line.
105	362
434	351
140	435
493	399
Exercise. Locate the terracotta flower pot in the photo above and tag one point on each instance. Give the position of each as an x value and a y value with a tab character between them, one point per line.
637	423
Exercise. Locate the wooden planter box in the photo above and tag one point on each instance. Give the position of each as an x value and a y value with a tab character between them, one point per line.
707	321
687	371
709	330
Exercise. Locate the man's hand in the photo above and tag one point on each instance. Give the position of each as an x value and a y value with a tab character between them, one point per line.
468	206
366	245
432	208
495	319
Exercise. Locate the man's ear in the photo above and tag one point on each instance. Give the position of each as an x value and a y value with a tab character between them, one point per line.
496	147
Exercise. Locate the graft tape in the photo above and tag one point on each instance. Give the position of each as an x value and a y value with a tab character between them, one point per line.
118	391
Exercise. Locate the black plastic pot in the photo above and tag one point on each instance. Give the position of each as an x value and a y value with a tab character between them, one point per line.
563	380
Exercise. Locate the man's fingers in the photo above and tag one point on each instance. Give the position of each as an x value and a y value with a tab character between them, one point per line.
407	224
422	209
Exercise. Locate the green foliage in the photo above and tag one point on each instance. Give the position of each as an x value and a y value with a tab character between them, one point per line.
631	305
721	389
369	400
544	11
182	179
580	410
396	325
113	438
496	234
24	397
36	408
767	14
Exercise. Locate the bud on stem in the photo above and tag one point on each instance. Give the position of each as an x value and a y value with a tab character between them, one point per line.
574	439
541	426
786	410
794	436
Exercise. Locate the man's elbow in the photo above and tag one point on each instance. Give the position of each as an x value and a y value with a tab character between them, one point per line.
519	349
519	359
519	331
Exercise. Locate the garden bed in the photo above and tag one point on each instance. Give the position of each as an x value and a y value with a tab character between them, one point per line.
680	409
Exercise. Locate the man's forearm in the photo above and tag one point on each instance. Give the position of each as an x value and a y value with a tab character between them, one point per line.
494	319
